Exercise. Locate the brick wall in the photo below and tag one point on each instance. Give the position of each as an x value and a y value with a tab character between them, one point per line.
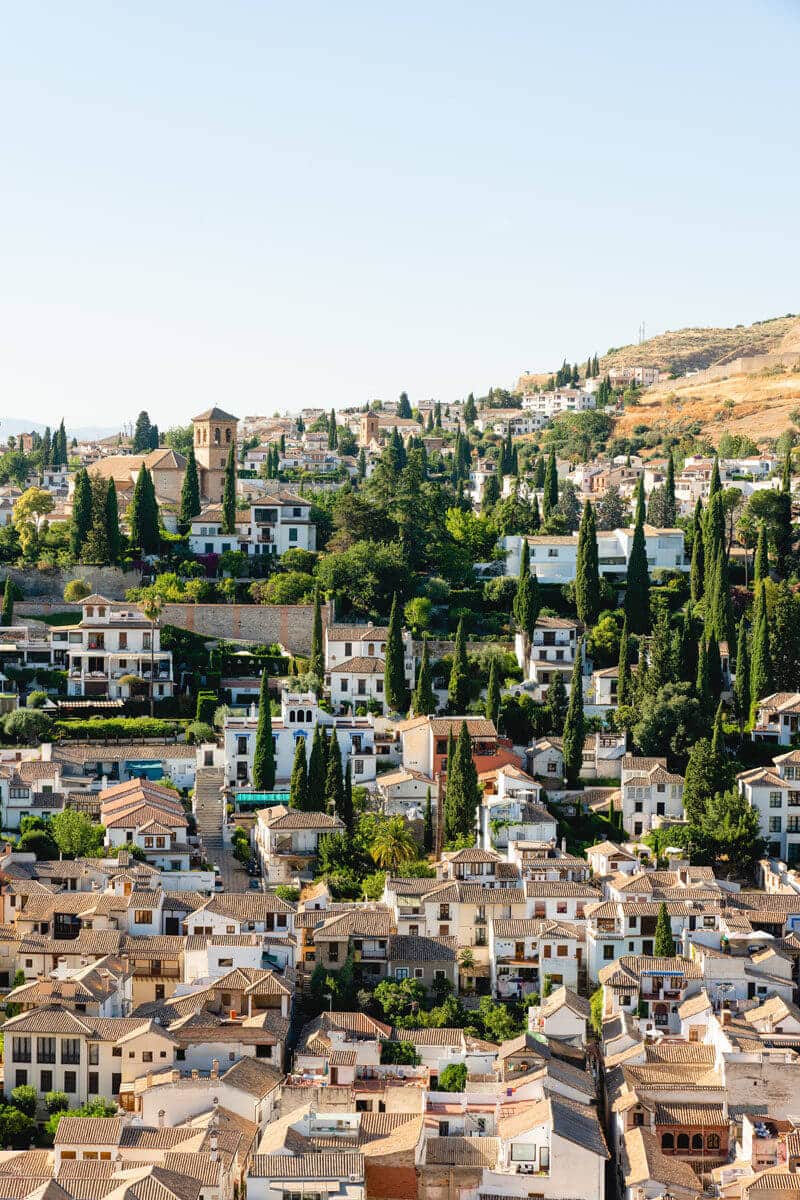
291	625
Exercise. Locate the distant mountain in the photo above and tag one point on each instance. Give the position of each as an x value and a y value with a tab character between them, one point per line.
13	425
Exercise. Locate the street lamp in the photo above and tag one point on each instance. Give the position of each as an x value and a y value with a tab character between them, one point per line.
329	998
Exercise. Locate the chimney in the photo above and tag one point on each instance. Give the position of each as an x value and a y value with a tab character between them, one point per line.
195	1073
725	1016
160	1111
563	845
214	1146
214	1068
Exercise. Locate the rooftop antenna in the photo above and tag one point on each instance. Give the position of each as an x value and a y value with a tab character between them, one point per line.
641	333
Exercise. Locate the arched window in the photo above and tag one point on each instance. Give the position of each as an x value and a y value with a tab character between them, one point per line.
216	437
683	1141
667	1141
227	435
712	1141
371	649
697	1141
308	714
291	716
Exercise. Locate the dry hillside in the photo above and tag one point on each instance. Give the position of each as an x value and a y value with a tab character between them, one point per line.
693	349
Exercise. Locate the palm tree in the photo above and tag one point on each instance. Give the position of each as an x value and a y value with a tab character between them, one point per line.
152	604
393	844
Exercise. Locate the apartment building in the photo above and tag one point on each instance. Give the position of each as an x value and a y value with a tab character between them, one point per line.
524	955
549	652
651	795
547	405
553	558
775	794
778	718
286	841
110	653
277	522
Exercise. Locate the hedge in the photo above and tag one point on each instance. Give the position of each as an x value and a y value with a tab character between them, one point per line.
122	728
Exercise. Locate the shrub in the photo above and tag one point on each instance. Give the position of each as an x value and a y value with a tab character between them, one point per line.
23	1097
56	1102
76	590
90	729
28	726
453	1078
199	731
284	892
36	699
399	1052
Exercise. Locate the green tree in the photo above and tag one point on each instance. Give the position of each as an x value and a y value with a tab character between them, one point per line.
424	702
637	590
785	639
316	663
703	682
298	782
741	684
761	563
144	514
698	567
459	686
706	773
190	490
393	844
75	835
527	601
229	493
730	833
428	827
81	521
556	702
463	793
664	944
334	778
761	680
660	664
7	614
624	681
264	752
141	435
587	572
670	509
317	769
492	706
111	518
574	726
394	677
550	493
453	1078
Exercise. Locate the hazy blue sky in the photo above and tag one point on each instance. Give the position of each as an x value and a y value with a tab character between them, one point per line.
265	205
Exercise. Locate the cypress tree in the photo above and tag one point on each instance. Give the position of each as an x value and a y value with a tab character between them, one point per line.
190	490
141	435
785	639
112	523
463	793
7	614
527	602
574	726
298	783
550	494
229	493
741	684
492	707
761	563
664	943
451	788
264	753
670	510
703	685
698	570
714	660
587	576
60	456
639	508
686	659
333	433
347	813
556	702
427	836
539	473
660	664
144	514
715	485
458	687
47	447
81	513
394	675
423	702
637	591
761	684
624	683
334	777
714	541
316	662
316	773
535	518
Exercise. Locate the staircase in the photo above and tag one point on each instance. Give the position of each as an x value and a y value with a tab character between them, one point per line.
209	810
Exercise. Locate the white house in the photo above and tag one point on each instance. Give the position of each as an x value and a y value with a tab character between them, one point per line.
355	660
300	714
778	718
114	642
142	814
550	652
278	522
553	558
775	794
650	794
550	404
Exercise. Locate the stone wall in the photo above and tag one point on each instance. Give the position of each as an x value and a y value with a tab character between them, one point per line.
49	585
289	624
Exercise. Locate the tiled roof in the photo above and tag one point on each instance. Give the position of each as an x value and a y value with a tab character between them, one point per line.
704	1115
538	927
357	633
307	1166
356	922
283	818
462	1151
90	1131
359	666
404	948
643	1161
543	889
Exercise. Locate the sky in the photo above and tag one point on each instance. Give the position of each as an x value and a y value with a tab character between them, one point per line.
268	206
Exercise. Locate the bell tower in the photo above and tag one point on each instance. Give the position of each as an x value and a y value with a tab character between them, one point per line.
214	434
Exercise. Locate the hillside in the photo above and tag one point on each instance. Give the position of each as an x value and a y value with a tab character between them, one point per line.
681	350
759	405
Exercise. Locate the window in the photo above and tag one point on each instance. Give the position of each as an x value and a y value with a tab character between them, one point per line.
774	824
667	1141
401	972
776	799
608	953
46	1081
697	1141
21	1049
143	916
70	1082
46	1050
293	531
333	952
93	1086
147	1056
343	685
712	1141
94	1054
562	951
21	1078
116	1052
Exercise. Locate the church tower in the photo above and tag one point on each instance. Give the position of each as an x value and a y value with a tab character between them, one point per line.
214	433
